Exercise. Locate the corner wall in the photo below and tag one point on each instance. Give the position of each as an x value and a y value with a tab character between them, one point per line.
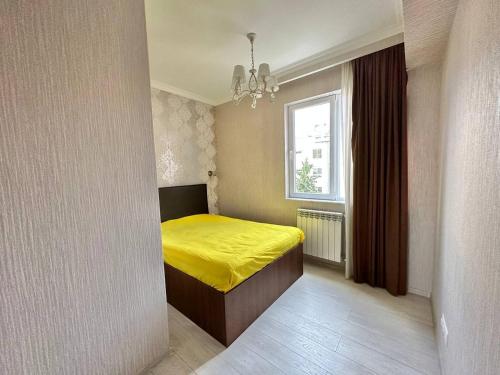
81	271
466	287
423	174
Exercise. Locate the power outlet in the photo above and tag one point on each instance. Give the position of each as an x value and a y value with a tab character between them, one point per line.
444	330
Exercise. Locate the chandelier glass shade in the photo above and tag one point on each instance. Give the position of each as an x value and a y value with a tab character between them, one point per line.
259	82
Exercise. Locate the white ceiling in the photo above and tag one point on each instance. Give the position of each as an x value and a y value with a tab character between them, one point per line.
194	44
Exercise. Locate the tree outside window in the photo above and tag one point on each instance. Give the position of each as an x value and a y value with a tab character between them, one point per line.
306	179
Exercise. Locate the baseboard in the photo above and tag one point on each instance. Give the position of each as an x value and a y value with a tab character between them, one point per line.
324	262
148	368
341	267
419	292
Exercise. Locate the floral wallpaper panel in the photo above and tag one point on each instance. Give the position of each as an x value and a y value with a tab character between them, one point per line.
184	142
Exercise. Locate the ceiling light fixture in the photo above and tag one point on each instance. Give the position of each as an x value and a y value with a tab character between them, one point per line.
257	85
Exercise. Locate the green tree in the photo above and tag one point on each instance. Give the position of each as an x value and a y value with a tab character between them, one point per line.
306	181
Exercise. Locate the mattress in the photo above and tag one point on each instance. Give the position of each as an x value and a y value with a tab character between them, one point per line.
221	251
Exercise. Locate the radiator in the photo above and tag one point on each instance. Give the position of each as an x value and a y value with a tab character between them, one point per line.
323	231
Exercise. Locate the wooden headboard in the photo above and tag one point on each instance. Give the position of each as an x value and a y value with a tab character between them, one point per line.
180	201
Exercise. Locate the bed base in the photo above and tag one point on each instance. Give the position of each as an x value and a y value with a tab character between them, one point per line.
226	315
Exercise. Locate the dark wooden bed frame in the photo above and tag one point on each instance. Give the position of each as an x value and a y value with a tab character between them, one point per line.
223	315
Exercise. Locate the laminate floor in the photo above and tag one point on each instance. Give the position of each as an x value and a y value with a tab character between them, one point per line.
323	324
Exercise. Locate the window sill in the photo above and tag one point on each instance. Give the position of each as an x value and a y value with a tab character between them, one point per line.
314	200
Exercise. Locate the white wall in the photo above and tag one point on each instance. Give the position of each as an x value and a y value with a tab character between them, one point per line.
466	287
82	289
423	93
184	143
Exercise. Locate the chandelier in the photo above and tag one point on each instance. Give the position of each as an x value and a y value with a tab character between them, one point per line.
257	85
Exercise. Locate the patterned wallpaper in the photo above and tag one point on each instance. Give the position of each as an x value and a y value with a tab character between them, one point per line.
184	142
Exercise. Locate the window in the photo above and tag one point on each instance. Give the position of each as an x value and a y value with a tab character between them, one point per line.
315	163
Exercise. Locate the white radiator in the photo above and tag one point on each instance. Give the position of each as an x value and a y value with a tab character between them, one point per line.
323	231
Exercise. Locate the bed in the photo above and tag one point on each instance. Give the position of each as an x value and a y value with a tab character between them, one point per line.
219	291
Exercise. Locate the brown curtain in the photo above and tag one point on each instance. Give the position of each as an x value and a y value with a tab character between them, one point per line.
379	150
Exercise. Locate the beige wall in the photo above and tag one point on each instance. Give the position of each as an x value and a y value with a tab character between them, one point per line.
251	164
81	271
423	174
466	287
251	153
184	142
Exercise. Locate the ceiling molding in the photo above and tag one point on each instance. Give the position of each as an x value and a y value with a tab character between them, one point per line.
335	56
193	46
177	91
353	49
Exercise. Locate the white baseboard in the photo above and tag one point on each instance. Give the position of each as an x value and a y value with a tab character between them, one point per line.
419	292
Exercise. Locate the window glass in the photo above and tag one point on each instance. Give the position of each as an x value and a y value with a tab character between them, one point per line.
314	149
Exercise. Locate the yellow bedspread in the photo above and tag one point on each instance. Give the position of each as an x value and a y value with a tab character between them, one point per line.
221	251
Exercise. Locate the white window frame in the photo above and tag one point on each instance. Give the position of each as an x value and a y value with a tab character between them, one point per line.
335	133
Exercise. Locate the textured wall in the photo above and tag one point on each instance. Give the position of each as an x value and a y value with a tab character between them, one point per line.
81	270
426	27
423	174
184	142
467	268
251	153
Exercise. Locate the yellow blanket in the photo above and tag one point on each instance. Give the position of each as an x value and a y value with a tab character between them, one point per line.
221	251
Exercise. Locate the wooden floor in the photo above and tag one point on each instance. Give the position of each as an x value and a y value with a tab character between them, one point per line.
323	324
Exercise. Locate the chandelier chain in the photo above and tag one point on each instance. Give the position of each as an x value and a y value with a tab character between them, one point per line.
251	52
